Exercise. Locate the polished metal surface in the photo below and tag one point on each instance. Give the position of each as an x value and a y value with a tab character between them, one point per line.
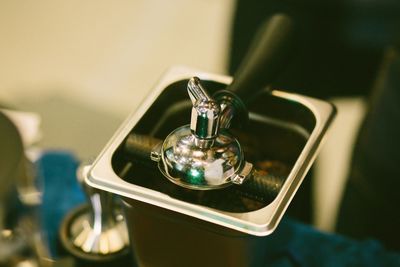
284	128
101	229
200	156
204	122
186	163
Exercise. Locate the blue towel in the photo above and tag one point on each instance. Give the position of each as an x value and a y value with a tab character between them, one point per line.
56	172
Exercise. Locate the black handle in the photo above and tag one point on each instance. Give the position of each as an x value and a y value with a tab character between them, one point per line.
267	57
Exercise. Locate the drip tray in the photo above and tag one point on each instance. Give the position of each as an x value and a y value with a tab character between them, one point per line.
281	139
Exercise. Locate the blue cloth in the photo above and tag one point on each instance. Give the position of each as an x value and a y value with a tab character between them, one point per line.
296	244
56	172
292	244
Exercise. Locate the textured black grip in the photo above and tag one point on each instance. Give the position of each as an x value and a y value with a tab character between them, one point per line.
262	186
139	148
267	56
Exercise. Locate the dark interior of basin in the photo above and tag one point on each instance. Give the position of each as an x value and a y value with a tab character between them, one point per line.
273	139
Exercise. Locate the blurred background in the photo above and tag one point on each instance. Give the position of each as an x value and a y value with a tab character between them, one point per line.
83	66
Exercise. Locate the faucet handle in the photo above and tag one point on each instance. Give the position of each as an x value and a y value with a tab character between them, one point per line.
204	121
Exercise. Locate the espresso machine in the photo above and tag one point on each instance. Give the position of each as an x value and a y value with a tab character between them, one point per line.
206	167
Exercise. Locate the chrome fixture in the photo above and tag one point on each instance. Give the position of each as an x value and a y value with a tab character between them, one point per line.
201	155
96	231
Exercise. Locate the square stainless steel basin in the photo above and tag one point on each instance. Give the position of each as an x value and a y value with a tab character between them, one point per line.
283	136
284	129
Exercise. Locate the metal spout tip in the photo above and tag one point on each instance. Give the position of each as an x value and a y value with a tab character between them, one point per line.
204	121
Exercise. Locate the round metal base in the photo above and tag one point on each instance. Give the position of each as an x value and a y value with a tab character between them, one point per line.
88	243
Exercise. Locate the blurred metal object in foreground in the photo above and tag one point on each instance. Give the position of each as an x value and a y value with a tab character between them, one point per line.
95	233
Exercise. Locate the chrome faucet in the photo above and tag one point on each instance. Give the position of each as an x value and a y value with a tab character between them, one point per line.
201	155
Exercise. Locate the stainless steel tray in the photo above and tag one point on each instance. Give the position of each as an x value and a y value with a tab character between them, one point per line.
285	129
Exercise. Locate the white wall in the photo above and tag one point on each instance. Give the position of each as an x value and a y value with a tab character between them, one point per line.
85	65
106	53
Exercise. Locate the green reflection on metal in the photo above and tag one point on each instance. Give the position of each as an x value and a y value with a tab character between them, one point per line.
195	176
202	125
